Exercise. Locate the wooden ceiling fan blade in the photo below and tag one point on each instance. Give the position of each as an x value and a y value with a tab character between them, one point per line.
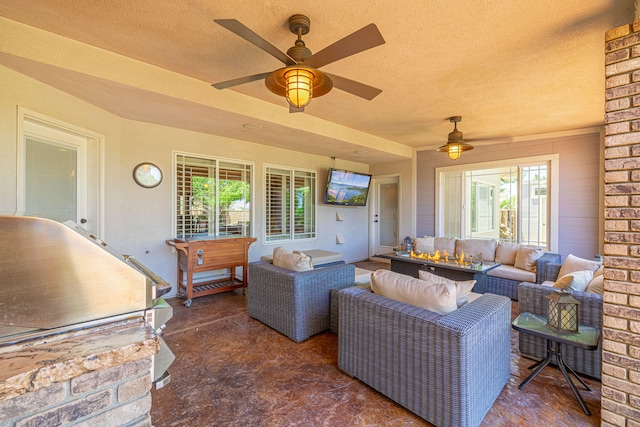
353	87
240	80
361	40
246	33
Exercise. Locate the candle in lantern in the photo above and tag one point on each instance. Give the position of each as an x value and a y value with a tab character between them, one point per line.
566	321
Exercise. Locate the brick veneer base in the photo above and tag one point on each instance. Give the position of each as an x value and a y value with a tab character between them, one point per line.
621	321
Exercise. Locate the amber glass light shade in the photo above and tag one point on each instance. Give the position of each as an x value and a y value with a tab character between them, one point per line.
299	87
298	84
454	149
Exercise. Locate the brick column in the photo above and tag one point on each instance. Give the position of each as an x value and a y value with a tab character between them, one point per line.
621	322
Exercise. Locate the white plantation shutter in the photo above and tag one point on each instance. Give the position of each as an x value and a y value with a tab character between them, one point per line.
304	206
280	210
277	209
199	210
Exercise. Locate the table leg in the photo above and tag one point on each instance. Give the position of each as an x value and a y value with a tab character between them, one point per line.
539	367
563	368
576	375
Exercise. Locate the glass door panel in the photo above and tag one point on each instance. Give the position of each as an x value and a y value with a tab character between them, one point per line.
51	182
388	214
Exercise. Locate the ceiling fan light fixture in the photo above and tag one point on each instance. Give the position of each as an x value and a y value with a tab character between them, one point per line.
455	144
292	83
298	87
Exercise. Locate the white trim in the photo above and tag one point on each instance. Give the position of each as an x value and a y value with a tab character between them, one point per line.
34	124
291	238
373	203
217	159
414	193
554	198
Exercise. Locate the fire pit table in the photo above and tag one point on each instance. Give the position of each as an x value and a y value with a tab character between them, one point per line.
404	263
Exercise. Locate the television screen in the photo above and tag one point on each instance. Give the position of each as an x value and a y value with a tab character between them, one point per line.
347	188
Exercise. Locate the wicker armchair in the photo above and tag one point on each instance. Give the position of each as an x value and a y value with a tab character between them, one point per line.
292	302
531	299
447	369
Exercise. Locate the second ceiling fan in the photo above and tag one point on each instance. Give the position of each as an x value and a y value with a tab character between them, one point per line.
300	80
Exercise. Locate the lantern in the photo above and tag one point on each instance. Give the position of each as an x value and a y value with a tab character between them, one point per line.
562	312
408	244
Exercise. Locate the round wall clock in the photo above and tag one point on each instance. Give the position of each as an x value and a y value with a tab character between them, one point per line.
147	175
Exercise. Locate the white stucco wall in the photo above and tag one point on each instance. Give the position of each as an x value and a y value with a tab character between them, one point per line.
138	221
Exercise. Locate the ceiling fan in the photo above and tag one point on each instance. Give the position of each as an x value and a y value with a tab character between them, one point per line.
300	80
455	144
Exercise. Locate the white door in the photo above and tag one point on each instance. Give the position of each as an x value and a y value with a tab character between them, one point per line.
58	174
384	215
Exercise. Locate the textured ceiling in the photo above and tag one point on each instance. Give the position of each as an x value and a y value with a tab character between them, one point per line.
511	69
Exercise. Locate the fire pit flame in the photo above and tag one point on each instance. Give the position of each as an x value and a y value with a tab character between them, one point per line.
443	258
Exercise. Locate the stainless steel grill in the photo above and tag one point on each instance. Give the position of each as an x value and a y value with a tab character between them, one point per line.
58	277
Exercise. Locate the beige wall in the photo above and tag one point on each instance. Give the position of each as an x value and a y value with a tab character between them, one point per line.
404	170
138	221
580	182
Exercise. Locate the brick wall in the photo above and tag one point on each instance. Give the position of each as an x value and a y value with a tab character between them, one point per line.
621	323
116	396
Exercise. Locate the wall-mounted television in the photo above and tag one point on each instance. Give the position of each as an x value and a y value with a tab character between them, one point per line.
347	188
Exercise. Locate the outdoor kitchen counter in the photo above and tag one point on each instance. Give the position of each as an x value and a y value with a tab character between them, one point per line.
38	363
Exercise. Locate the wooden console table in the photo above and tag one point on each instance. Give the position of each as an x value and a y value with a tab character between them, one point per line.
210	254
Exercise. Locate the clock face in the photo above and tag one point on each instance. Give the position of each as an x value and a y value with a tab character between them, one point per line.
147	175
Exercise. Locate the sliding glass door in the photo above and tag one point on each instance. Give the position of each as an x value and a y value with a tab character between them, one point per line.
504	202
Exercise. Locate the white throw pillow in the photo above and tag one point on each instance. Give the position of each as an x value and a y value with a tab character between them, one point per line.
527	258
506	253
474	247
423	244
436	297
577	280
463	288
445	244
573	263
291	261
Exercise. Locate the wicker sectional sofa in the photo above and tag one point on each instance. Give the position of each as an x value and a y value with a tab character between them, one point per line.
504	279
447	369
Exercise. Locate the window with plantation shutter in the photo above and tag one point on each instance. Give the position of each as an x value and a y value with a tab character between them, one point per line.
212	197
290	211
